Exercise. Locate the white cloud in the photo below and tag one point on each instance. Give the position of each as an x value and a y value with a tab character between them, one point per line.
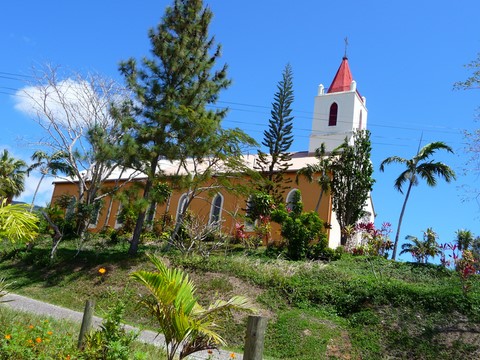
71	103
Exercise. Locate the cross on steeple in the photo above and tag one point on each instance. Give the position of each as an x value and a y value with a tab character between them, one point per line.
346	45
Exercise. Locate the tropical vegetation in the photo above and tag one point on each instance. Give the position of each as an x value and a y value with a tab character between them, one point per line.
416	168
12	176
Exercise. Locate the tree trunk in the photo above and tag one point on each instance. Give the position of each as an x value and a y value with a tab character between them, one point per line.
109	212
397	235
36	191
140	221
319	201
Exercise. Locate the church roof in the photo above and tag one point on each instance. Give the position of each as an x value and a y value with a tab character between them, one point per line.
343	78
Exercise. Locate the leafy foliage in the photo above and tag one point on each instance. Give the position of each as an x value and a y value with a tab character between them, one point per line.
352	180
300	229
185	324
422	250
111	341
418	167
12	176
169	118
17	224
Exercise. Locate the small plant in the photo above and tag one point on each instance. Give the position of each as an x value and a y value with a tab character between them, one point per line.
300	229
186	325
466	269
111	341
375	242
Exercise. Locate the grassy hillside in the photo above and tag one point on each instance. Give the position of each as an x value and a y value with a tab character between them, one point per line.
353	308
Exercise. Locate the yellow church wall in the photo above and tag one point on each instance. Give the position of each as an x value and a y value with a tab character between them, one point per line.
233	209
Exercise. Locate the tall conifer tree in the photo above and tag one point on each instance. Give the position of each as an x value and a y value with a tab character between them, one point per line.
278	138
172	90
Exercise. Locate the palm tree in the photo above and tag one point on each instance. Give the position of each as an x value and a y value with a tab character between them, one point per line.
421	250
182	320
12	176
464	239
48	164
320	170
418	167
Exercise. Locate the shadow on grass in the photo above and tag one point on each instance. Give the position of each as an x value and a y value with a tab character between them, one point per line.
34	267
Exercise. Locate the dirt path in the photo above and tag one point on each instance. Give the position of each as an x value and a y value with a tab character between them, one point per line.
23	303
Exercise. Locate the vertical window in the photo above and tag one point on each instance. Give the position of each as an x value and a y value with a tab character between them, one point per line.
216	210
360	122
332	118
182	203
70	210
290	199
95	216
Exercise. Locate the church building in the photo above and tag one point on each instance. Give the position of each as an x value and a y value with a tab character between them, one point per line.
339	110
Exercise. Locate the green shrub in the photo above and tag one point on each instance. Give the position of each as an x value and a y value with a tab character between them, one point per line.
300	229
111	341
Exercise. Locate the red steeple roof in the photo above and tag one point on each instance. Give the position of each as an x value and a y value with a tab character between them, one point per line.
343	78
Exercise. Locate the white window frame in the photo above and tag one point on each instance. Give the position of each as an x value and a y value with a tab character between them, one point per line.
182	201
288	199
211	220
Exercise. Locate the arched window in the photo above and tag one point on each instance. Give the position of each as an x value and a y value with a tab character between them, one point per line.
120	217
182	202
216	210
70	210
332	118
95	216
360	122
290	199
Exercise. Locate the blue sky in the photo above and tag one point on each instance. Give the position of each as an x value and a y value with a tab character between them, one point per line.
405	57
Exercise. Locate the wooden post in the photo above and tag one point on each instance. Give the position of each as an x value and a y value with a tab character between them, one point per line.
86	322
254	340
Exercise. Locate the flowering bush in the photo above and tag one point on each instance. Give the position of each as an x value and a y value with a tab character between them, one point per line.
375	241
34	341
466	269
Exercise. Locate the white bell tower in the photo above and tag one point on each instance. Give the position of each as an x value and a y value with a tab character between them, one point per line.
338	112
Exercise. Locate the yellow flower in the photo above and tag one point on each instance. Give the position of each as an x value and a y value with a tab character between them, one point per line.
30	326
38	340
102	271
232	356
49	333
30	342
8	336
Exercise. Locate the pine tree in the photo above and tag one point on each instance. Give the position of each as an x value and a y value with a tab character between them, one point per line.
278	139
172	90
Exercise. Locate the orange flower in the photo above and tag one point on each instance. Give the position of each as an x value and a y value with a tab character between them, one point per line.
30	326
38	340
49	333
102	271
232	356
68	357
8	336
30	342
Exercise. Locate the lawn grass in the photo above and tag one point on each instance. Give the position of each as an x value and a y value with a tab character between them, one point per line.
29	336
356	307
